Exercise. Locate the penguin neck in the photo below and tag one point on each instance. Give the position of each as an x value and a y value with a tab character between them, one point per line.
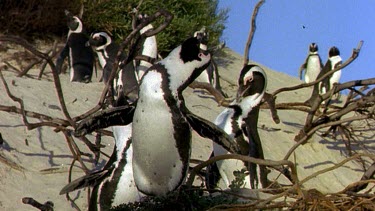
335	59
174	64
248	103
108	41
146	28
102	58
313	53
78	30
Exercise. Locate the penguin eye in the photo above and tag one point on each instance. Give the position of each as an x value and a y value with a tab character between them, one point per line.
248	79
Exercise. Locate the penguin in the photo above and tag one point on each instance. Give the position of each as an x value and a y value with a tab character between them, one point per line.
334	60
114	184
161	153
148	47
106	50
312	66
125	85
81	57
239	120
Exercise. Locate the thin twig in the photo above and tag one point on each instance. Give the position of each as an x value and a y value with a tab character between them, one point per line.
252	31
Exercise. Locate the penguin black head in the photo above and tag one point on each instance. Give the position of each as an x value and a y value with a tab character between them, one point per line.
252	80
313	47
74	23
334	51
99	40
141	18
202	36
193	49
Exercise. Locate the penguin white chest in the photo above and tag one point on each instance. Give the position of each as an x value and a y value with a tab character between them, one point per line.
312	69
102	59
157	164
227	167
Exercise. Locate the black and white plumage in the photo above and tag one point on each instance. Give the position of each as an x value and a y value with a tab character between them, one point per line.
334	60
80	56
239	120
148	48
114	184
313	64
211	73
161	153
125	84
161	123
106	50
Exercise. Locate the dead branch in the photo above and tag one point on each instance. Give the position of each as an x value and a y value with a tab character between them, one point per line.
219	98
44	56
252	31
222	101
48	206
354	55
168	18
355	105
305	137
356	156
271	102
264	162
26	70
362	184
30	126
44	64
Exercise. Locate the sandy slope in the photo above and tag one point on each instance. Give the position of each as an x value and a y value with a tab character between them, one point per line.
39	169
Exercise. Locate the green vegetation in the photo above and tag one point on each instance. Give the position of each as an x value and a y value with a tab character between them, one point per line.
39	18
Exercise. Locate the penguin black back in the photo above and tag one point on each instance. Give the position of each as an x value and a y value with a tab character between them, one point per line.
81	56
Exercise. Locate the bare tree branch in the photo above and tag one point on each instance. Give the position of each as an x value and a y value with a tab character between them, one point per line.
252	31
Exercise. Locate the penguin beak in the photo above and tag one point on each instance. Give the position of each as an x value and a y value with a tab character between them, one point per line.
244	88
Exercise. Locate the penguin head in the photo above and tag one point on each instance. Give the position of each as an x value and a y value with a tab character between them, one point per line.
74	23
313	48
193	49
333	51
141	18
99	40
190	59
251	83
202	36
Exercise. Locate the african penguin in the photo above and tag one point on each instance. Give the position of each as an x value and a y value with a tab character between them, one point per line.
334	60
312	66
114	184
161	133
148	47
106	50
125	84
239	120
161	122
80	56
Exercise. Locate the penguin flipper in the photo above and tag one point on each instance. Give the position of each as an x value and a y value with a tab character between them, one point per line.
85	181
209	130
122	115
60	59
300	70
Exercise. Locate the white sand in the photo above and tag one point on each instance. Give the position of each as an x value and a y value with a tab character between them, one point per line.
40	169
